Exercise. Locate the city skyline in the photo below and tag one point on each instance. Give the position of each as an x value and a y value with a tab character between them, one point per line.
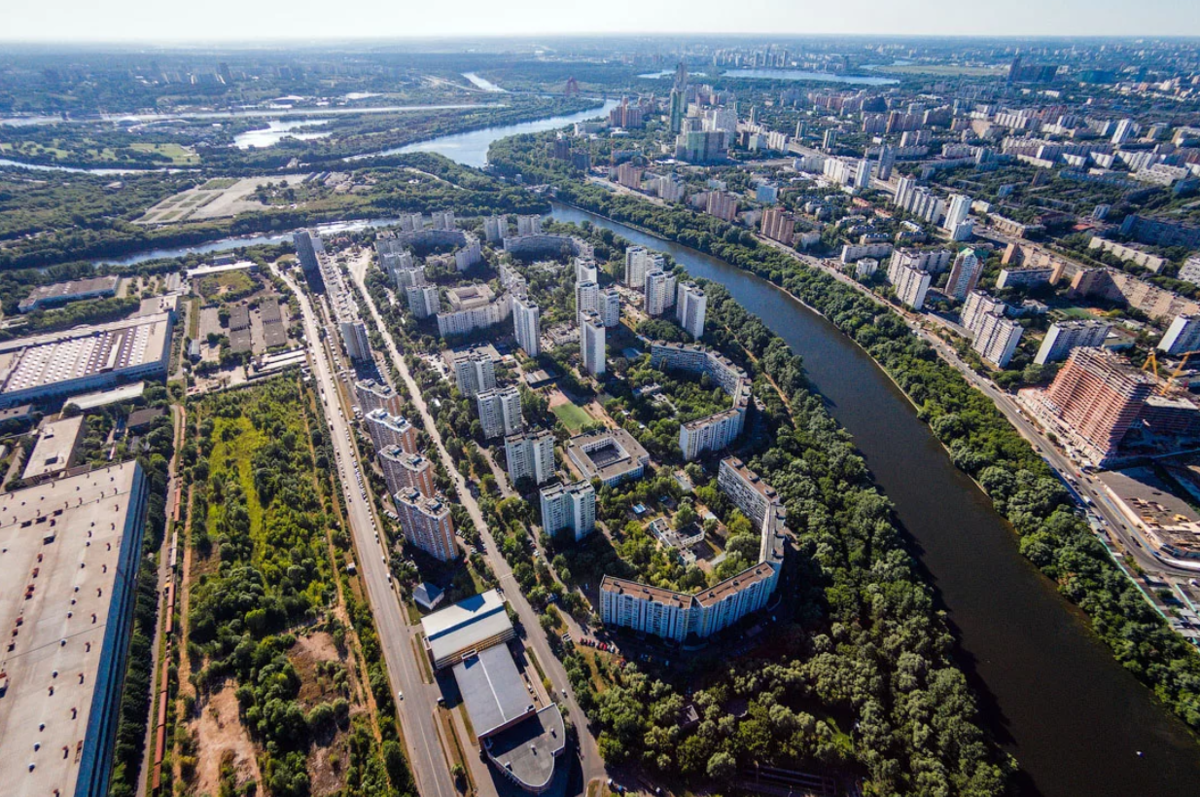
271	20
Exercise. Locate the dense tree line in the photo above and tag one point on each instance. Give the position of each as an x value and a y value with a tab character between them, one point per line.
981	441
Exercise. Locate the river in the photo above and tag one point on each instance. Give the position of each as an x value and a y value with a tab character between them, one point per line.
1055	696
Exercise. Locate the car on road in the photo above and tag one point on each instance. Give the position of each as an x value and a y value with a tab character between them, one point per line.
399	695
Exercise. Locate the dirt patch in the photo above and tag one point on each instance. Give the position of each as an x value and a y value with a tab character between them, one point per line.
221	737
324	674
327	765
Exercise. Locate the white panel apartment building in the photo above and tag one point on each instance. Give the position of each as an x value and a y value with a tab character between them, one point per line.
423	300
997	338
500	412
610	307
569	507
587	299
474	373
716	431
979	304
530	456
1183	335
674	615
638	262
1066	335
527	325
591	343
660	292
912	284
690	306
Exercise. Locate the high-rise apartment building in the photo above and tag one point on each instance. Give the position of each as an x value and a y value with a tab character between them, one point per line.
372	395
964	275
610	307
721	204
500	412
1182	336
427	524
309	248
569	507
529	225
997	338
1066	335
956	213
585	270
530	456
690	307
591	343
587	299
527	325
660	292
912	284
638	262
495	228
423	300
403	470
977	305
779	225
474	372
1096	398
387	430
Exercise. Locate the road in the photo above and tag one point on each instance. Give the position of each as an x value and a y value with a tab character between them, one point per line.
426	759
535	637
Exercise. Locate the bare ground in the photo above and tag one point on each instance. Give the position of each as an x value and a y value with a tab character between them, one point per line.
219	732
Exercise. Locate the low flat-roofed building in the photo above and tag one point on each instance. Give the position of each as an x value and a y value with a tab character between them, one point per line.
493	691
468	626
611	455
1167	523
84	358
102	398
526	753
54	447
64	292
200	272
69	552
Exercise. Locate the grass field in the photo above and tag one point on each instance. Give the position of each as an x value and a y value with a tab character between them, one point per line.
572	416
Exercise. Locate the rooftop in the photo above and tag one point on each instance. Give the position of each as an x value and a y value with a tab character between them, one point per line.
607	455
63	546
465	624
493	691
468	297
54	447
527	750
65	291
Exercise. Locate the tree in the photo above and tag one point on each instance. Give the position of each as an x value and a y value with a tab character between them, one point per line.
721	767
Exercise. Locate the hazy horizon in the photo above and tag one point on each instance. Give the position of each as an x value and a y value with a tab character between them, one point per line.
228	22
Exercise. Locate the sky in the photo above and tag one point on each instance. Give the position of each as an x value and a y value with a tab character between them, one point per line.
246	20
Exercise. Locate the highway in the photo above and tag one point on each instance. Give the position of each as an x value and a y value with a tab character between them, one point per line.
535	637
429	766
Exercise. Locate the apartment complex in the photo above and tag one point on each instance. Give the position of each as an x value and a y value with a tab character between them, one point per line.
373	395
568	507
996	338
530	456
405	471
719	430
1092	403
911	284
472	307
639	261
690	306
387	430
426	523
660	292
500	412
964	275
474	372
1066	335
591	343
675	615
779	225
609	307
1182	336
527	325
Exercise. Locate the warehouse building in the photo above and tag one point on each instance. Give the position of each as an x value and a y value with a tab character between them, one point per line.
83	359
69	550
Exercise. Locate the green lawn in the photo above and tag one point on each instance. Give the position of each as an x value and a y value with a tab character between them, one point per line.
572	416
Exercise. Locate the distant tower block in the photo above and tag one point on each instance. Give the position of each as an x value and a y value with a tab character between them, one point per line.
572	87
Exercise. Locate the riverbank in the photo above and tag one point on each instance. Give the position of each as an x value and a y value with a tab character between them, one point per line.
1054	694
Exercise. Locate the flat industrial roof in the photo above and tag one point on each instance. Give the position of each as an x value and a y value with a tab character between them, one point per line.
54	447
465	624
493	690
55	603
43	360
89	401
528	749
